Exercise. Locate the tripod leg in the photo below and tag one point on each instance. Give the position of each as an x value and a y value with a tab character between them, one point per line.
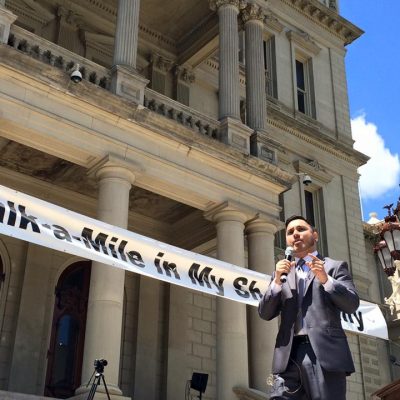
93	388
105	386
90	378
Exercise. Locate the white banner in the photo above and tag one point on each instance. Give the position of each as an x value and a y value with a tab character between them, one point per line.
37	221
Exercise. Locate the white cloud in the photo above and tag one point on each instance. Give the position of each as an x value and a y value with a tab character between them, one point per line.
381	173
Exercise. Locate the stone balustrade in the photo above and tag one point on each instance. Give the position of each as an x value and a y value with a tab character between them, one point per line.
185	115
52	54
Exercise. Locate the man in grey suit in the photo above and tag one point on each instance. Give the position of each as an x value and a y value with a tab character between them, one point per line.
312	356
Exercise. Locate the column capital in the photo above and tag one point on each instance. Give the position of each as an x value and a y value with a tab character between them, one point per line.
216	4
253	13
112	166
263	224
184	74
160	62
229	211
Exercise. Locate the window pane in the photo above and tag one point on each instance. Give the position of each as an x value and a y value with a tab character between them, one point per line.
301	101
300	75
309	206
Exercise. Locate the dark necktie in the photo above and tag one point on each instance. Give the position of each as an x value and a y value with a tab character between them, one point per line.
300	264
301	283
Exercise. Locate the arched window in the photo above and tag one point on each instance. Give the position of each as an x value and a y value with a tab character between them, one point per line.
65	354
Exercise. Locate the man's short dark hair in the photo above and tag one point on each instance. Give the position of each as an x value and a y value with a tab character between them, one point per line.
294	217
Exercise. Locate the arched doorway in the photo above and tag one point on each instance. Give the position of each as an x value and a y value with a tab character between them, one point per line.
64	364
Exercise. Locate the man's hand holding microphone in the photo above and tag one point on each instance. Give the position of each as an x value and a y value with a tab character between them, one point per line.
283	266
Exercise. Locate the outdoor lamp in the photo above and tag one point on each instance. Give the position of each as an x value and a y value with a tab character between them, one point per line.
385	257
391	233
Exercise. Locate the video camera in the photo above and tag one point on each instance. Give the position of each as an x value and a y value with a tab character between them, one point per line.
99	365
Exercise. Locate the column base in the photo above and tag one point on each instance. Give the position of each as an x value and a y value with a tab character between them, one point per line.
126	82
99	396
115	392
236	134
263	147
6	19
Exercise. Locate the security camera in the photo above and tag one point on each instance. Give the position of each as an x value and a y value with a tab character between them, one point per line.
76	75
307	180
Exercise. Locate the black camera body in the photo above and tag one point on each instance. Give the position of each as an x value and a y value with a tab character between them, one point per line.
99	365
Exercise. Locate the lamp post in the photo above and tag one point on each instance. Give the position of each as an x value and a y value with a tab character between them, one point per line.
388	252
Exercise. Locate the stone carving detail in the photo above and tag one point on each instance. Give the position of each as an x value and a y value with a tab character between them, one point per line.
315	164
160	62
332	4
184	74
69	17
216	4
272	21
253	12
393	301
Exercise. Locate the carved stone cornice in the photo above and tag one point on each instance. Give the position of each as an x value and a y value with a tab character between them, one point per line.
328	18
317	135
216	4
303	39
314	169
252	12
271	21
184	74
160	62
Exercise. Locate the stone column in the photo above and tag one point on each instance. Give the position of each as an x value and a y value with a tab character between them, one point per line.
105	304
262	334
160	66
125	80
256	108
7	18
126	33
184	77
232	130
232	353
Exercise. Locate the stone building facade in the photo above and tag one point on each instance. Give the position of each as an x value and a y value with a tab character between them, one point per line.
195	123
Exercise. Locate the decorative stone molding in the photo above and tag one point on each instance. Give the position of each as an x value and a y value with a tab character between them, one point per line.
229	210
69	17
262	223
253	12
216	4
314	169
234	133
7	18
127	83
113	166
271	21
265	148
323	16
160	62
303	40
184	74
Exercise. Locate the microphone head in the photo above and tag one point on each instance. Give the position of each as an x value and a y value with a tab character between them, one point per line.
289	251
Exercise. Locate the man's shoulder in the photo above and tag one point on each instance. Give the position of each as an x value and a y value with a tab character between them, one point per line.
332	263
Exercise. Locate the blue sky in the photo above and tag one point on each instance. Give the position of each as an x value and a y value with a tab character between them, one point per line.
373	78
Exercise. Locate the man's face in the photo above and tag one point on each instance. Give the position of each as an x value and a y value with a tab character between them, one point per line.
301	237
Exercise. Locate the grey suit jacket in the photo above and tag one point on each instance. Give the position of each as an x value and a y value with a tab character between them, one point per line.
321	311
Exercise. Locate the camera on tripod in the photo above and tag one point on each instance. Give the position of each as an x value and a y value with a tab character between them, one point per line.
99	365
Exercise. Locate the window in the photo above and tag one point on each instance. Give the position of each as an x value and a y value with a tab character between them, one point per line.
315	213
270	67
304	87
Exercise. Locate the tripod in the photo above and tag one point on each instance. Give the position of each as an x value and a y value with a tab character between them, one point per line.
98	375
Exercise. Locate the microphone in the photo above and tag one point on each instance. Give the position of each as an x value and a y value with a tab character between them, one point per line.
288	256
